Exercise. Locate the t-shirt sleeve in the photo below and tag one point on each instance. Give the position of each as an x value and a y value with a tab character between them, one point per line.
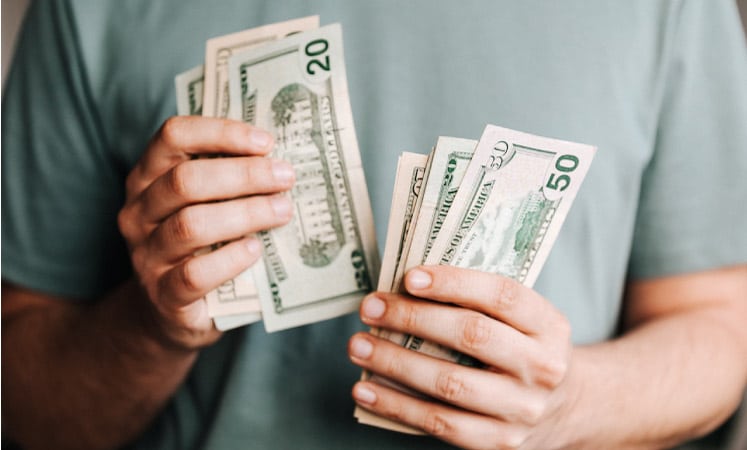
693	205
61	188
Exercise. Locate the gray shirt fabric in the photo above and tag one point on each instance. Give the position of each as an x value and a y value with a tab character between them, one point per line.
659	87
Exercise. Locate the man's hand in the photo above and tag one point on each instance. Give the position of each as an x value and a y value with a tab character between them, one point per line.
683	344
521	338
177	205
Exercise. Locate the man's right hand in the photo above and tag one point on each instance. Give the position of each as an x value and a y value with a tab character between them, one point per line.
177	205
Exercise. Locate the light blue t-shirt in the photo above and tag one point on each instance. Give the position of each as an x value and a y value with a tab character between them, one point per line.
660	87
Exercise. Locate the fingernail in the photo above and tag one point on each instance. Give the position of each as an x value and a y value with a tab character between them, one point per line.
282	171
363	394
361	348
373	307
253	246
417	279
259	138
281	206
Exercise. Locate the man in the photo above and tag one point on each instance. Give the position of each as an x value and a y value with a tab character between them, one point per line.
633	336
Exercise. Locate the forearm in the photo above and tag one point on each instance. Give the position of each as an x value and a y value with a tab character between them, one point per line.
102	367
666	381
93	376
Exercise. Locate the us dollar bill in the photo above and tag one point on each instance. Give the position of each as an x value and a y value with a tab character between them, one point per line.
189	94
408	187
513	200
220	49
321	264
236	302
448	164
446	168
515	196
189	89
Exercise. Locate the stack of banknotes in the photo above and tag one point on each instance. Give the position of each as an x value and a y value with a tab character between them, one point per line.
494	205
289	78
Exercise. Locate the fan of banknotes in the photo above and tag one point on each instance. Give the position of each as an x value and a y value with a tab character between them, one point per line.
494	205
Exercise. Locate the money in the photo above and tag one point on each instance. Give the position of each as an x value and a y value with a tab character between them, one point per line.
446	167
321	264
189	91
236	320
408	187
189	95
332	233
236	302
494	205
448	163
518	187
503	217
220	49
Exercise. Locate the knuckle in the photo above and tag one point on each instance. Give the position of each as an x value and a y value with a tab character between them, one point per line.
393	366
228	131
172	130
126	222
556	371
279	209
508	439
240	257
512	440
234	132
550	371
191	275
532	410
396	411
435	424
185	225
262	172
180	180
257	216
505	293
252	170
450	386
408	316
476	331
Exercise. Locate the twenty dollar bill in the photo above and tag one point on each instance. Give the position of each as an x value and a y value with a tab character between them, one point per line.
321	264
236	302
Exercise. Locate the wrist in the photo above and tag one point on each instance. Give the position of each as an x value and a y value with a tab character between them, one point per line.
186	330
565	425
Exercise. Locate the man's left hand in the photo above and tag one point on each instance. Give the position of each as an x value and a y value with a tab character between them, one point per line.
522	339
